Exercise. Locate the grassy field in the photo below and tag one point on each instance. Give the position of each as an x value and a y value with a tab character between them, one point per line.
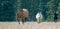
29	25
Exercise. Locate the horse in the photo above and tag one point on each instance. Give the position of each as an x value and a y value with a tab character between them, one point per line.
55	16
22	15
39	17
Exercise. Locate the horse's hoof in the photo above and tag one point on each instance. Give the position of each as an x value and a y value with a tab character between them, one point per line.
19	23
39	22
22	22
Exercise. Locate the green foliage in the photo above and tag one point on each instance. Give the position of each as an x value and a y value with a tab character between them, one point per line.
9	8
59	11
52	7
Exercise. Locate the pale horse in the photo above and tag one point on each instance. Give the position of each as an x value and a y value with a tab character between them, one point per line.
39	17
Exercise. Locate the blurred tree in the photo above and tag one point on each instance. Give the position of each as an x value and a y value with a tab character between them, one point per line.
8	10
58	11
52	6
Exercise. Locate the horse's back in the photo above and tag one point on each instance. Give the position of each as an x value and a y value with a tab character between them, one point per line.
22	14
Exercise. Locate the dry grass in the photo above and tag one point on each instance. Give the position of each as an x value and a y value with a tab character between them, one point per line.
30	25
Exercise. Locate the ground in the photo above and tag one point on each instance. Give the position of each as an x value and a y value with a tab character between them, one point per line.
29	25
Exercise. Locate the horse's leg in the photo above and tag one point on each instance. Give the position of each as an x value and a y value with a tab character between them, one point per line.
38	20
18	20
23	21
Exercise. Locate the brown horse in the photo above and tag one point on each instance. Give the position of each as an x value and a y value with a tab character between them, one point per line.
22	15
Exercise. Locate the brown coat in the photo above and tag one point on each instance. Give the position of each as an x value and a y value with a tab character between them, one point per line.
22	14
